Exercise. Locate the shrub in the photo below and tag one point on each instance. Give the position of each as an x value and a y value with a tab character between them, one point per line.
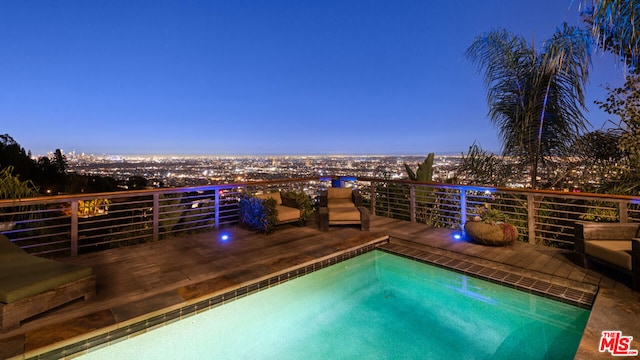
12	188
258	214
488	215
302	201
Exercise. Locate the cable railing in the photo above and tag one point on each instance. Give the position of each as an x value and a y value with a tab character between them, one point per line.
61	226
541	217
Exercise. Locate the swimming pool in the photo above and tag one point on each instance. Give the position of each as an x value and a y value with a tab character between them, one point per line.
376	305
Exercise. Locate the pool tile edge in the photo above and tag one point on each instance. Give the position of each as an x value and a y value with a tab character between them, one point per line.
583	298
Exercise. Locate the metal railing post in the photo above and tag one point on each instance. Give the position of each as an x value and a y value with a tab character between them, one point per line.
624	212
412	202
373	193
216	208
463	208
156	217
531	218
74	227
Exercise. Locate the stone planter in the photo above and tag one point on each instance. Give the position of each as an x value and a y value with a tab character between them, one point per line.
491	234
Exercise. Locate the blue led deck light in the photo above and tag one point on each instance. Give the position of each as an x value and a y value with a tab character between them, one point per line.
458	235
224	237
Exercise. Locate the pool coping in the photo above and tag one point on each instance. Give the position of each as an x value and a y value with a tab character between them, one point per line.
569	292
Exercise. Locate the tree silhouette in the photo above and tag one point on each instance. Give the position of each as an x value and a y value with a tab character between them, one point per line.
60	162
48	175
535	97
12	154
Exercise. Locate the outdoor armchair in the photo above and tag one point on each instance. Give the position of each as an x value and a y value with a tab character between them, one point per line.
342	206
286	208
616	245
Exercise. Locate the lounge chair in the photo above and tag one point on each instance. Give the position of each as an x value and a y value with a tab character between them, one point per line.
30	285
342	206
616	245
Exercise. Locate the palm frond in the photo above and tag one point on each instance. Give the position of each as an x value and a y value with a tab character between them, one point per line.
535	98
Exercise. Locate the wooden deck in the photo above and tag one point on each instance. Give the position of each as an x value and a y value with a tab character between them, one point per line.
541	259
137	282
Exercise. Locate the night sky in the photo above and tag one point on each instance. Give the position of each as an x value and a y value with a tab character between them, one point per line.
260	77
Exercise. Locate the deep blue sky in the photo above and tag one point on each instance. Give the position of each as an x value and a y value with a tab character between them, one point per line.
259	77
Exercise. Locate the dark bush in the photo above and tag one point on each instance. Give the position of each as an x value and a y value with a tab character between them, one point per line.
258	214
301	201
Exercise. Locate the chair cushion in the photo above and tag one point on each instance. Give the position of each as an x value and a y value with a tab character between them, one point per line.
340	203
617	252
23	275
610	231
339	193
274	195
286	213
8	247
344	214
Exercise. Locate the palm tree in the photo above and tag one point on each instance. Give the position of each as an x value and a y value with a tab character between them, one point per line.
535	97
614	24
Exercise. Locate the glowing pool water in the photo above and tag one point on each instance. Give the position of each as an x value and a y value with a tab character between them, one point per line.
376	305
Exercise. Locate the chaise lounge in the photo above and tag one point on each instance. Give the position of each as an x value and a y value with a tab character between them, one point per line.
30	285
616	245
342	206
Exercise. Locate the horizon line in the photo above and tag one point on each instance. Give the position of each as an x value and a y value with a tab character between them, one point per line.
448	153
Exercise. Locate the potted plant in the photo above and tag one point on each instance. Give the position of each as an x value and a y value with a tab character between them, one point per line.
490	227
